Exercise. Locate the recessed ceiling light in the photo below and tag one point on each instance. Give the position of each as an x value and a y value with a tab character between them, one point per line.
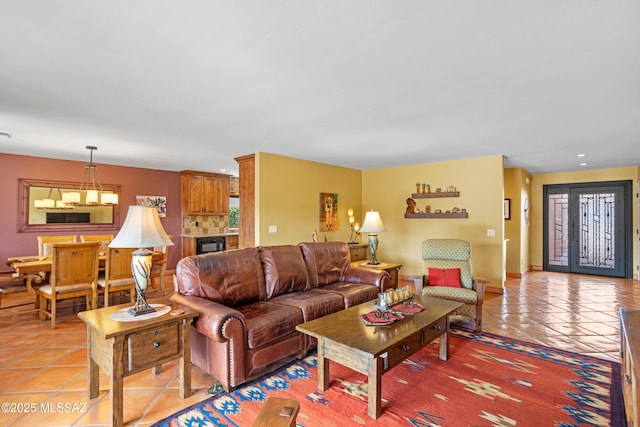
582	155
583	164
223	170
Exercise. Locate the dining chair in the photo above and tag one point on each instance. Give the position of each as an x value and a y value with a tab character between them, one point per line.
74	273
104	240
13	286
159	267
45	243
118	276
44	249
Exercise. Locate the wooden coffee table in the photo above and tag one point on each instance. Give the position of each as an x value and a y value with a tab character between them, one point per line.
374	350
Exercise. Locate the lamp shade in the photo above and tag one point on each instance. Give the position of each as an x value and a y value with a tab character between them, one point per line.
109	199
372	223
141	229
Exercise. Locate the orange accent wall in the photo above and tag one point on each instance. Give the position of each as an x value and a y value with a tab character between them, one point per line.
132	181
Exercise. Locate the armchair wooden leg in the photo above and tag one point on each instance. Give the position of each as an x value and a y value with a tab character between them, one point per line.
478	318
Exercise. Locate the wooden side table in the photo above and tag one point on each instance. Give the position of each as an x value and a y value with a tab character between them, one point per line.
359	251
122	348
392	268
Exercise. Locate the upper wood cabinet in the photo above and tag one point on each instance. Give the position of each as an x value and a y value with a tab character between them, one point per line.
205	193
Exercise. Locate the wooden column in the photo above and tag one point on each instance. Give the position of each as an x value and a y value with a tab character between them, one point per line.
247	180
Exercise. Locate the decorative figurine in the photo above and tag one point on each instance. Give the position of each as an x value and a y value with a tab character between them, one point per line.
411	206
428	188
427	209
422	187
417	187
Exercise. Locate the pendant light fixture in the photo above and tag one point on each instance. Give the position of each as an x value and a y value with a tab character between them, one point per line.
50	203
91	186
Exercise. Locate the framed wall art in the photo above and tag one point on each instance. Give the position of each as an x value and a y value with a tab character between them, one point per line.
506	208
328	211
158	202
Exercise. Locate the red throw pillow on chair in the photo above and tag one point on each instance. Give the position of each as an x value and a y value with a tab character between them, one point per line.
445	277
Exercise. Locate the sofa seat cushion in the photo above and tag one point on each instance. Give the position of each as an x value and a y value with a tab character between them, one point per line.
268	322
352	294
313	303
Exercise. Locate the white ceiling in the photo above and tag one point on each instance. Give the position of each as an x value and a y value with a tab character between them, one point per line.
364	84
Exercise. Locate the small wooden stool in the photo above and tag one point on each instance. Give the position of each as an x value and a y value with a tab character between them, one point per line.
278	412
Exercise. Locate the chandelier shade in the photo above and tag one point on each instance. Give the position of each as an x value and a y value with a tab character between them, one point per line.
94	194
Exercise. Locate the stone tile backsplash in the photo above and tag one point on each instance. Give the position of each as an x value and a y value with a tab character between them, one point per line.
205	224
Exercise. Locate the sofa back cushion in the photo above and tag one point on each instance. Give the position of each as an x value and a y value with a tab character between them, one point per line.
284	269
231	278
326	261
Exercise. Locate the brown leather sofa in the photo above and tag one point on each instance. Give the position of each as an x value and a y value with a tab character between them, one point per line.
250	301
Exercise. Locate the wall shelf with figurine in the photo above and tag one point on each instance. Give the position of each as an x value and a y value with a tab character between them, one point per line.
437	215
435	195
423	191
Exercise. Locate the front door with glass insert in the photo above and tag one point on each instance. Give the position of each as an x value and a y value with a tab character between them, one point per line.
587	228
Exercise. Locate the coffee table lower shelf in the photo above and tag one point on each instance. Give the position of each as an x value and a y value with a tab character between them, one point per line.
373	354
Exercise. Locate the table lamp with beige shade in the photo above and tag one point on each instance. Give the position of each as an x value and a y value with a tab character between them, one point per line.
372	224
142	229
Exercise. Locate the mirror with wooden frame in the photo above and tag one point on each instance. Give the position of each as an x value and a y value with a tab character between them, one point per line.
33	216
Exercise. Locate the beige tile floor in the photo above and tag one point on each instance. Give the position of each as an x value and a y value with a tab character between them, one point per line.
44	367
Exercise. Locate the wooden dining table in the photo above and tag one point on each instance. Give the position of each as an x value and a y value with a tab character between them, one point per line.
33	264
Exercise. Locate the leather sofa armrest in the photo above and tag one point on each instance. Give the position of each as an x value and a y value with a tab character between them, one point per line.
213	318
379	278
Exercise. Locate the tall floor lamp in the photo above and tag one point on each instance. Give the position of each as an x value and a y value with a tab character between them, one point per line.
372	224
142	229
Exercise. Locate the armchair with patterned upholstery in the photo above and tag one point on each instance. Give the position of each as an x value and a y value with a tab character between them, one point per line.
447	264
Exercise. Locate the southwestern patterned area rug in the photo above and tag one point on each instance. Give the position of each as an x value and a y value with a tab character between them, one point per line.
488	380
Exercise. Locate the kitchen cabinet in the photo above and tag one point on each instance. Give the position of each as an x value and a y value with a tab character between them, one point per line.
232	241
205	193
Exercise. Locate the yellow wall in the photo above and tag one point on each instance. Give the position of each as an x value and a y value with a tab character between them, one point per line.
480	182
538	181
517	187
288	196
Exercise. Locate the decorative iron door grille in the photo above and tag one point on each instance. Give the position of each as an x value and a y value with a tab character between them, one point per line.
587	228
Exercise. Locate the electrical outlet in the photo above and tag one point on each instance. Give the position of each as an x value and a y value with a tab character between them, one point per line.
273	229
491	232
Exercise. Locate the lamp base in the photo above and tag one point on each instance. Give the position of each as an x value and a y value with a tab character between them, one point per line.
141	270
373	246
139	312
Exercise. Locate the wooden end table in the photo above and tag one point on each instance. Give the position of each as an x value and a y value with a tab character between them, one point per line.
391	267
122	348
